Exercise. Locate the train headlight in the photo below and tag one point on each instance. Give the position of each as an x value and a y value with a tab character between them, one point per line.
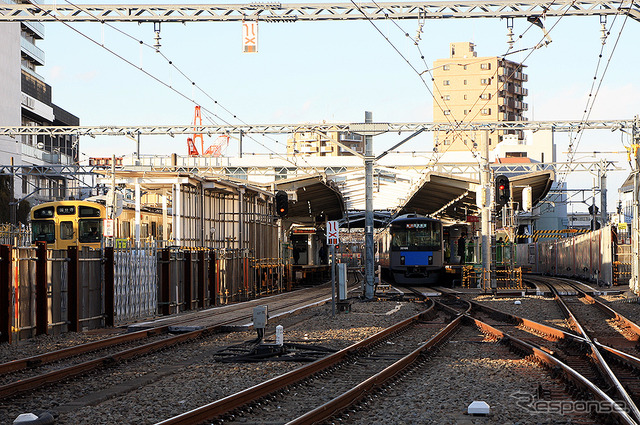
430	260
402	260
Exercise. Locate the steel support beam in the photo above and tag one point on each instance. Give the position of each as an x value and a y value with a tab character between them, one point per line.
212	129
276	12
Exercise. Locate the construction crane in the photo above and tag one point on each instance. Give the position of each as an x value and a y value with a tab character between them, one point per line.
191	142
216	148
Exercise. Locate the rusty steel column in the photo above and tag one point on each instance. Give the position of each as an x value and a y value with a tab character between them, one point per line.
213	278
42	319
188	286
165	280
109	287
73	290
6	307
202	279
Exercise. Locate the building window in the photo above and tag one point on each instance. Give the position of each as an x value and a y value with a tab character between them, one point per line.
486	111
486	65
446	67
446	82
465	82
515	155
485	96
446	112
485	81
446	97
466	112
465	97
464	67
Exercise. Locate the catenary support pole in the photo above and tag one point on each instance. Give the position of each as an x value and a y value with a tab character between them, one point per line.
635	228
368	220
485	213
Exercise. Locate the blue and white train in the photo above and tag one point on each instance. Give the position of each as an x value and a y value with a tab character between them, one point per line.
410	250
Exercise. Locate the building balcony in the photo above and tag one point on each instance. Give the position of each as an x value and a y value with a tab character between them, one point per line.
36	28
36	54
521	91
308	149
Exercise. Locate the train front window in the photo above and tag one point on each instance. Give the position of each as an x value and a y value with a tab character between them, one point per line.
84	211
423	236
89	231
43	230
66	230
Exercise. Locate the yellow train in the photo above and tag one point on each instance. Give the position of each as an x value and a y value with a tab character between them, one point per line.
81	223
65	223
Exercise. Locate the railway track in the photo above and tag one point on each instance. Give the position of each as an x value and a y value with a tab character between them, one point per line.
296	393
316	390
610	342
33	372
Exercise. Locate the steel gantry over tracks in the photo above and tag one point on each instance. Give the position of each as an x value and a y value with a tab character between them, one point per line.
361	128
276	12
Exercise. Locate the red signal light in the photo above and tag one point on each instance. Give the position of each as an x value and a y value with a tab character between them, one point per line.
501	187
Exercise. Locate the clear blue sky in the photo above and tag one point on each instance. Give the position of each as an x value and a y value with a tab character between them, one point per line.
333	71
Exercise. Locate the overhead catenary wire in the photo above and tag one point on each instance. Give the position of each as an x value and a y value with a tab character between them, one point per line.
193	83
591	98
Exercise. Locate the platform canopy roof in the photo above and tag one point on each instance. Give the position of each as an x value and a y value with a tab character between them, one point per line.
312	199
453	198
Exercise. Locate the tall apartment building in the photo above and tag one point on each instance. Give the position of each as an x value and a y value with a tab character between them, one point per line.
26	100
468	88
316	144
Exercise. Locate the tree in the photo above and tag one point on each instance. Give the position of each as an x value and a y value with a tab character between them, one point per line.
6	202
5	198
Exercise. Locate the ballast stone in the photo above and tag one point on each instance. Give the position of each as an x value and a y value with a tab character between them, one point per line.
478	408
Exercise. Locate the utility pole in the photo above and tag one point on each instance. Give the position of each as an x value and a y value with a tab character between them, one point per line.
485	213
368	218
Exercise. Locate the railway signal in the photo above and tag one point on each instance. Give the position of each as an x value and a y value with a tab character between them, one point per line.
503	190
282	203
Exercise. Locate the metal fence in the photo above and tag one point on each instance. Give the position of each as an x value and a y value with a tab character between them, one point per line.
135	283
14	235
45	291
49	291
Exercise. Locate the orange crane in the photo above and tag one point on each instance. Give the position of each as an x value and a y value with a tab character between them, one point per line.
216	148
191	142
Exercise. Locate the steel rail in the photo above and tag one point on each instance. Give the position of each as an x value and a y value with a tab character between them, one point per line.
554	333
558	334
605	308
234	401
553	362
601	363
65	353
81	368
358	392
